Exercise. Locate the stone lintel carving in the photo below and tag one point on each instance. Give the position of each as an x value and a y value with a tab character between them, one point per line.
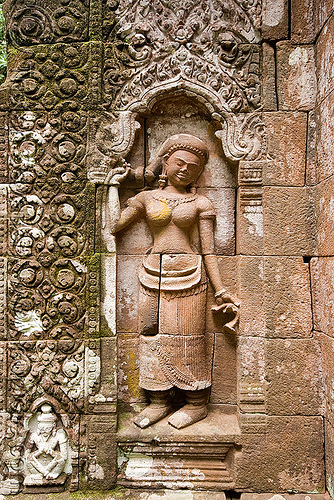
242	138
162	44
198	50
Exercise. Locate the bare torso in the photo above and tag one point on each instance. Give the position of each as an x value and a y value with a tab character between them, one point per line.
171	218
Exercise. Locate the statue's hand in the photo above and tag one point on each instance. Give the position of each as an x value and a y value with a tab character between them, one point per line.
223	296
228	304
118	174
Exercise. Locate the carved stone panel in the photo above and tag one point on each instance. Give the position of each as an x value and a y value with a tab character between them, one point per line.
40	22
145	164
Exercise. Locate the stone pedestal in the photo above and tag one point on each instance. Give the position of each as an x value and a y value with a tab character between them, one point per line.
201	456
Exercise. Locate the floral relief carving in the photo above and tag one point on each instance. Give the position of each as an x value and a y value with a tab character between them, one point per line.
50	218
48	199
32	23
155	43
55	368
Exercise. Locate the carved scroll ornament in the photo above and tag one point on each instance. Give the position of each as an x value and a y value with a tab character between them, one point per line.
205	50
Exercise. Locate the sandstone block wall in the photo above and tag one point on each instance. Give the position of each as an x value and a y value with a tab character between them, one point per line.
68	299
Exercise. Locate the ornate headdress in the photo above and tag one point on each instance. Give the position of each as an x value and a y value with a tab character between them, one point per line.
177	142
46	414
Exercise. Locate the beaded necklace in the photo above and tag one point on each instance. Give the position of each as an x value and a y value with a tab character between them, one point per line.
174	202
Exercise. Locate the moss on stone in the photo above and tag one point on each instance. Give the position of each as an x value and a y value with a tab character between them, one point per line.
115	494
3	47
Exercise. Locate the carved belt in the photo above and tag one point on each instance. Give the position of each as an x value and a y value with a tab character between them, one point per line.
171	272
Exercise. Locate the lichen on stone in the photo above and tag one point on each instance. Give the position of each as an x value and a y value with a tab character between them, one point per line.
3	47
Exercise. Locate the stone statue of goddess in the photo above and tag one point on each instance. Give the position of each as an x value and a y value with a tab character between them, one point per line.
173	282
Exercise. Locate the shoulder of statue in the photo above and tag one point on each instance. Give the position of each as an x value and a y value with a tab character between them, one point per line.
153	194
203	202
138	200
205	207
61	435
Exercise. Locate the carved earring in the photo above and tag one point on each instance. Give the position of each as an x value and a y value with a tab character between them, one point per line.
163	178
162	181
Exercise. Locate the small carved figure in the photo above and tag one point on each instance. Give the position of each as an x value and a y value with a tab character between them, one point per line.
11	480
47	450
173	280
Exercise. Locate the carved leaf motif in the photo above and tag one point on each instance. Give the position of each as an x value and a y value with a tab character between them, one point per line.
49	201
35	24
207	43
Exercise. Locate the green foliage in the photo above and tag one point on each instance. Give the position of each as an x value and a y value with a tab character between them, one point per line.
3	48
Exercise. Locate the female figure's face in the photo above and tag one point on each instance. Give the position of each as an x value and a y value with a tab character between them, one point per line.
182	168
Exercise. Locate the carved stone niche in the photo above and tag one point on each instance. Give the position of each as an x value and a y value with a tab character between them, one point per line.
205	453
152	103
47	455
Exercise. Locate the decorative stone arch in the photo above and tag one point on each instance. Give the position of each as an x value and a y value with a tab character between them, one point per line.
242	139
241	135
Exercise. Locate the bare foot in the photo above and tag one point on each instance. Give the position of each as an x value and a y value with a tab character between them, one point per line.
187	415
152	414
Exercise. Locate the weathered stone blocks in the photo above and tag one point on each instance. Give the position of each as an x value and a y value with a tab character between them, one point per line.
127	292
302	21
294	377
128	369
326	344
329	454
286	139
99	444
288	212
324	208
224	376
287	297
324	61
275	15
324	130
274	366
297	83
283	463
322	277
251	293
285	496
269	78
223	200
275	295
